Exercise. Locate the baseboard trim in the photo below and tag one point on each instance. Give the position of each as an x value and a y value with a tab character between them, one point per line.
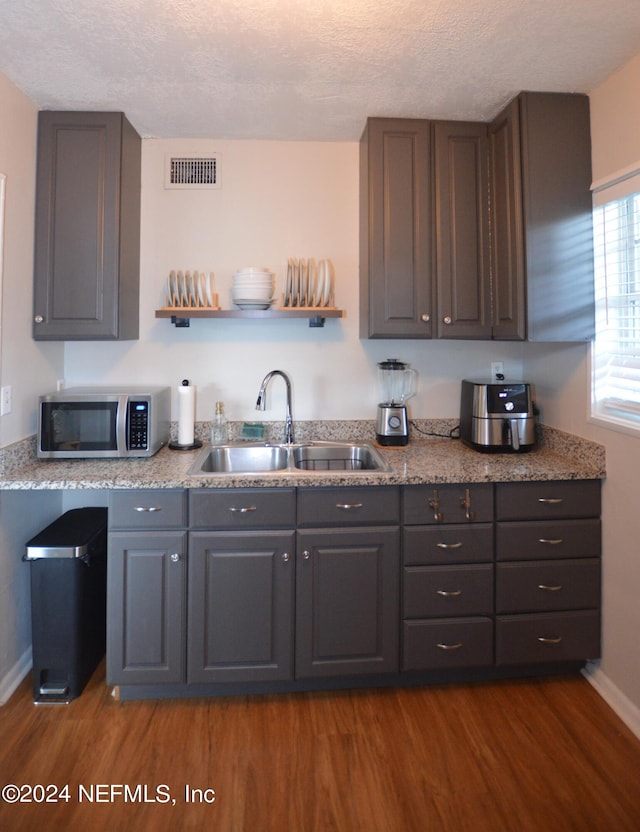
613	696
16	674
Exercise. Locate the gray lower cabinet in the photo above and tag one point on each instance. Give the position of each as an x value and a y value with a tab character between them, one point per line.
448	577
347	601
347	576
146	587
87	244
283	585
547	572
241	584
241	597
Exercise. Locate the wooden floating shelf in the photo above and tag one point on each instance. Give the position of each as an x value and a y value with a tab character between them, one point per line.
180	316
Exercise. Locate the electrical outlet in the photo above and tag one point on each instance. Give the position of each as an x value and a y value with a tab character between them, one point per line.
497	370
5	400
60	384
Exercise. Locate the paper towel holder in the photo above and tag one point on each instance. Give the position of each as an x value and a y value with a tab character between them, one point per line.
188	446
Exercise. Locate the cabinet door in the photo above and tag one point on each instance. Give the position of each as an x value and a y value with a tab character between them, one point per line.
347	602
87	247
507	232
146	607
240	606
542	237
396	249
462	230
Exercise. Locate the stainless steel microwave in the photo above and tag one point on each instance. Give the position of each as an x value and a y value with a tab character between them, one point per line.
87	422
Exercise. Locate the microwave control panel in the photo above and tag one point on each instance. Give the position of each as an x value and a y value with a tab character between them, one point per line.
138	426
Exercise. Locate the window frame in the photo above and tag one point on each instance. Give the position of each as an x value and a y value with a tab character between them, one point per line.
622	196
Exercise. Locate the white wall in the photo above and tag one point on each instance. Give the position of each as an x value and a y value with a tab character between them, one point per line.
26	366
561	375
278	199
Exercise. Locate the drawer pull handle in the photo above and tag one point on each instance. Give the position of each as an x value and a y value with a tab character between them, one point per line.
550	587
551	541
147	508
449	593
552	501
434	504
349	506
448	545
550	639
465	503
242	509
442	646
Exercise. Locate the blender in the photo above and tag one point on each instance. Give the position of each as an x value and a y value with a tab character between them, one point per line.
398	384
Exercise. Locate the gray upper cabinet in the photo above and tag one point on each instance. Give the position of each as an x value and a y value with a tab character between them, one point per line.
541	228
87	245
396	238
463	297
424	257
477	231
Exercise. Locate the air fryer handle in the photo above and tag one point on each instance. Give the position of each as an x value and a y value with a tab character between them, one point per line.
513	432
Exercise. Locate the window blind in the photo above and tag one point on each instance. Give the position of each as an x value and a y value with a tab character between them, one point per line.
616	350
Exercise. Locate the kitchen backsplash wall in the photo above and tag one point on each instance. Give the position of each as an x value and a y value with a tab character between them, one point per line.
277	200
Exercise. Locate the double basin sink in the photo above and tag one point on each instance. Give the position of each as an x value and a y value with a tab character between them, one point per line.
304	457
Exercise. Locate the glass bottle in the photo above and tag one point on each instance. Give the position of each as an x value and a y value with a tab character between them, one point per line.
219	427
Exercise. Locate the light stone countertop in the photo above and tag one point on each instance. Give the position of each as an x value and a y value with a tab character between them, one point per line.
558	456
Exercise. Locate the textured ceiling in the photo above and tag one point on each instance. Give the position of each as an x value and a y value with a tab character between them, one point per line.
306	69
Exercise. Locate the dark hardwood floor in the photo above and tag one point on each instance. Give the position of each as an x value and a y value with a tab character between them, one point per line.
517	756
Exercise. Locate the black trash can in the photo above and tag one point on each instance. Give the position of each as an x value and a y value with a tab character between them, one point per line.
68	563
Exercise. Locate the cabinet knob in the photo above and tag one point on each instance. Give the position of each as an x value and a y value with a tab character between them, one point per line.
447	319
38	319
425	318
306	554
175	557
285	557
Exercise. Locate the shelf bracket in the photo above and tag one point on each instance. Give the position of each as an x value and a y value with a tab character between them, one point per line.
317	320
181	322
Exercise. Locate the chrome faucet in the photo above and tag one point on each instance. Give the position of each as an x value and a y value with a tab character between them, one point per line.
262	401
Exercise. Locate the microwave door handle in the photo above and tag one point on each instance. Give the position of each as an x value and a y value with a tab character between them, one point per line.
121	425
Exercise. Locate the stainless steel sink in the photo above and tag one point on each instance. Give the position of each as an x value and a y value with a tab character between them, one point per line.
242	459
334	457
316	457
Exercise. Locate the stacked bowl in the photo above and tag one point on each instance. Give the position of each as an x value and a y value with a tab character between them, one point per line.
253	288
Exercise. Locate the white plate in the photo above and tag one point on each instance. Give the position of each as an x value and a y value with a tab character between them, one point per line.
328	283
288	284
210	287
253	304
173	285
322	276
312	273
304	283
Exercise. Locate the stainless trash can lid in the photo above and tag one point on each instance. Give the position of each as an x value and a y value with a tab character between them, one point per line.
70	536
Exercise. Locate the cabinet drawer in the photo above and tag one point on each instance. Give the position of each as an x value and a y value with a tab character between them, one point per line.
242	508
546	539
148	509
376	505
448	590
547	637
448	544
447	643
546	500
551	585
427	504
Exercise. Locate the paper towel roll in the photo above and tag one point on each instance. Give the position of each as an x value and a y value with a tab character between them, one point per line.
186	413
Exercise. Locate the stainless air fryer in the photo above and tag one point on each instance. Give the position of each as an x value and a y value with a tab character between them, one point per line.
497	417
